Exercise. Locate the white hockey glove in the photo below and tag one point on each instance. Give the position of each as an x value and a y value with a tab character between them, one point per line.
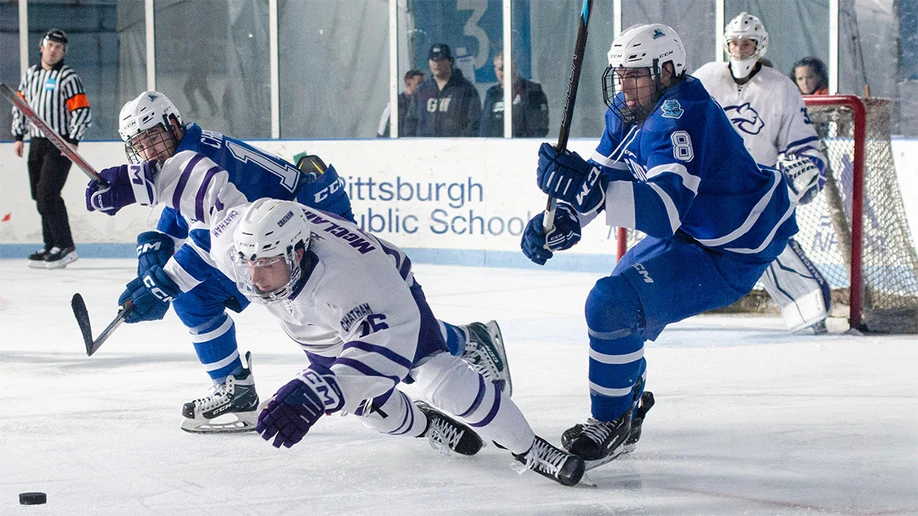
803	177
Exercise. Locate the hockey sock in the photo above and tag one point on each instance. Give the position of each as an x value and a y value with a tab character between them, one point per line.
215	345
454	337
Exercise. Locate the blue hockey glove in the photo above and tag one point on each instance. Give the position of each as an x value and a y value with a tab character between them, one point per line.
804	178
564	235
153	250
567	177
292	411
122	186
327	193
151	295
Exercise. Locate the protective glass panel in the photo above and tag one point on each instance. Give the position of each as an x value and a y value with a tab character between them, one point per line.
693	20
334	67
212	61
466	34
9	61
92	51
553	29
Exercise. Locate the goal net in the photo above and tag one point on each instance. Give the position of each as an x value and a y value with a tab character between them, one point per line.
870	264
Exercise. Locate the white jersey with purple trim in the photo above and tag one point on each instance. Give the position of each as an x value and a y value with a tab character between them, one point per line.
356	306
768	112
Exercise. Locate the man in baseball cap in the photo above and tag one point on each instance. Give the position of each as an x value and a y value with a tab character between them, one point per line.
440	51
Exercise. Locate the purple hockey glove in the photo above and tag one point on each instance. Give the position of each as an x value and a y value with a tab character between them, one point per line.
153	250
292	411
567	177
564	235
151	295
122	186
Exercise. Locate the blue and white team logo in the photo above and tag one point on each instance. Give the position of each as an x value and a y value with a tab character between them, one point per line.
745	118
672	109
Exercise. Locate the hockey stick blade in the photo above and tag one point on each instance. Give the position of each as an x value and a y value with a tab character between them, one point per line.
82	317
570	99
49	133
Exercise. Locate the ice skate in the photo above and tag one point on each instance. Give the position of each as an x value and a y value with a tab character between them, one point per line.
598	442
637	422
58	258
230	407
550	462
446	434
484	351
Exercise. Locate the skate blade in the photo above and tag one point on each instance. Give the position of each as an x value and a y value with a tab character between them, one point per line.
592	464
224	424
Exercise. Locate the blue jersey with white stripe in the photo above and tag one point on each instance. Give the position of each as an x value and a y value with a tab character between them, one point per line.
210	173
685	169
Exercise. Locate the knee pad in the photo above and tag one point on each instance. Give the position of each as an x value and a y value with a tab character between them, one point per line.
613	309
449	384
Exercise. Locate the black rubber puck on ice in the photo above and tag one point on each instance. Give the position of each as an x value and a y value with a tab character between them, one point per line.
32	498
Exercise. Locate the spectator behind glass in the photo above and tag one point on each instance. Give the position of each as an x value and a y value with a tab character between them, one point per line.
530	105
811	76
413	78
447	104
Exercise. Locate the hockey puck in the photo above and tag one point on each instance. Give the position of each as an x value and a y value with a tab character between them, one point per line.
35	498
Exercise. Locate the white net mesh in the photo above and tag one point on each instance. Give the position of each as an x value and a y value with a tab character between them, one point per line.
890	264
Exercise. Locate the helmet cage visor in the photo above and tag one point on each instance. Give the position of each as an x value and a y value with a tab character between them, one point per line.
276	275
632	93
157	143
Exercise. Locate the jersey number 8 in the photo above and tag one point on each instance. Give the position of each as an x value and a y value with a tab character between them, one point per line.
682	146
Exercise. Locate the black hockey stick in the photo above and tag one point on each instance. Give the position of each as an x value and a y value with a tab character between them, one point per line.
548	221
49	133
82	317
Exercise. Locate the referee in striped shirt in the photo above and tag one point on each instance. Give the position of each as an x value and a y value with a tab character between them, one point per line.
55	92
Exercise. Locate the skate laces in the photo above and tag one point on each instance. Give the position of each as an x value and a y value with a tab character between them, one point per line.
443	437
481	361
598	431
541	457
220	394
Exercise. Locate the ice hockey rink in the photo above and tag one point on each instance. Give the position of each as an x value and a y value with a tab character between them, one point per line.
748	420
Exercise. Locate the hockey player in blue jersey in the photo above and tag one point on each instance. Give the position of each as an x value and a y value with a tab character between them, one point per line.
670	165
196	173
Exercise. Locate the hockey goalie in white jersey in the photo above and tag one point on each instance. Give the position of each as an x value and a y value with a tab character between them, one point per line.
766	109
350	301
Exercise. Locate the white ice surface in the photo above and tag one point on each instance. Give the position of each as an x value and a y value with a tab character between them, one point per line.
749	419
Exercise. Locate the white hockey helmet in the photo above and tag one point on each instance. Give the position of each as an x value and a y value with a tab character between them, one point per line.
142	116
641	46
745	26
265	245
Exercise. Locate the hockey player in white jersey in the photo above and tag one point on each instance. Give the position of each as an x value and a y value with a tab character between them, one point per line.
351	302
197	172
670	165
766	109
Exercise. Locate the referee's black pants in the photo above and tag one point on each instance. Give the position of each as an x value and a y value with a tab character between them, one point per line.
48	170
